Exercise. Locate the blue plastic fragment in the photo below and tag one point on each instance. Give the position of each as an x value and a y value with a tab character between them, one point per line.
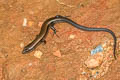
97	49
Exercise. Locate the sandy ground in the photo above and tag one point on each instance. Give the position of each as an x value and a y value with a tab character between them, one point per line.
62	58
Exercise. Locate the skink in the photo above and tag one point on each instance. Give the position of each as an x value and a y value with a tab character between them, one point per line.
49	24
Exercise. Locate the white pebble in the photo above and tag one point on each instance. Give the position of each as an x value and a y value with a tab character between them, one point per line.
38	54
30	64
72	36
25	22
83	73
22	45
104	45
112	43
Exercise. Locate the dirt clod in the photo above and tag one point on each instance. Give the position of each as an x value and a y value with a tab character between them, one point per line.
94	60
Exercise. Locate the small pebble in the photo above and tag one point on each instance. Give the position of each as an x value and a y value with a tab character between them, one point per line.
94	73
109	48
40	24
30	64
30	23
83	73
94	60
97	72
72	36
95	76
104	45
111	56
112	43
92	63
57	53
25	22
38	54
22	45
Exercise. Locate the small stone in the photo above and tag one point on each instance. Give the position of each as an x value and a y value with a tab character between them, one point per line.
30	64
83	73
97	72
57	53
38	54
22	45
94	60
72	36
109	48
94	72
104	45
25	22
40	23
30	23
112	43
111	56
92	63
95	76
105	49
